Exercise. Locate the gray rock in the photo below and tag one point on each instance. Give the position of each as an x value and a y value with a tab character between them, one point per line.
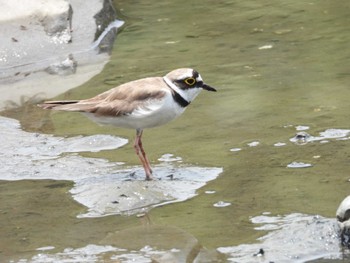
343	218
40	41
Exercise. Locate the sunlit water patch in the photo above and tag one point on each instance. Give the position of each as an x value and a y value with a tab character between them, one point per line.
299	165
164	244
104	187
126	191
89	253
279	144
293	238
222	204
304	137
253	144
235	149
34	156
301	138
168	157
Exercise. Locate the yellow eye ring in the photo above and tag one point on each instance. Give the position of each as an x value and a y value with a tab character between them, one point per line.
190	81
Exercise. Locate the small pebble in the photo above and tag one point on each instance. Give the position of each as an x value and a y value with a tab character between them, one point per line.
279	144
45	248
141	215
260	253
265	47
299	165
235	149
301	138
222	204
253	144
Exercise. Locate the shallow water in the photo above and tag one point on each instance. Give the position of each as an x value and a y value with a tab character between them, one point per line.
279	67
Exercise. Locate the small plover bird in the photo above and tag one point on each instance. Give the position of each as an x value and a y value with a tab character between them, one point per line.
140	104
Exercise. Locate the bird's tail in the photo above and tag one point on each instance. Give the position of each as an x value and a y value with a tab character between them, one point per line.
65	105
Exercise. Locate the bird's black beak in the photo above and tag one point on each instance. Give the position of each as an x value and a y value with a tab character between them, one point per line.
207	87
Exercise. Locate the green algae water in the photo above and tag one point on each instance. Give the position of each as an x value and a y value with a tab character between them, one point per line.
279	68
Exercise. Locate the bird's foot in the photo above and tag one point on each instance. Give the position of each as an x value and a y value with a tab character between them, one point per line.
149	176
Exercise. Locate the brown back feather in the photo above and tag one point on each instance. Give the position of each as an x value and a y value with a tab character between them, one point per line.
115	102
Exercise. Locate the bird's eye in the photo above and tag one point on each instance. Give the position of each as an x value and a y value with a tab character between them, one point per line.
190	81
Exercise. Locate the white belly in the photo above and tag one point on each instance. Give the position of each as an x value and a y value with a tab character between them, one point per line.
151	114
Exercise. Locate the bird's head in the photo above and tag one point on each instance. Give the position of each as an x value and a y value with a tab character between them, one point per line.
187	82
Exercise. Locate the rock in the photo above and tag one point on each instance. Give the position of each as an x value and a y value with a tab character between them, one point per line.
59	24
343	218
42	40
65	67
12	11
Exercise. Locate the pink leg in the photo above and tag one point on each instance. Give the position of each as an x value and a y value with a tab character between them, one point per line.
142	155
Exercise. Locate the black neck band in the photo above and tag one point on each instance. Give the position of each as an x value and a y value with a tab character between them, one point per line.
176	96
180	100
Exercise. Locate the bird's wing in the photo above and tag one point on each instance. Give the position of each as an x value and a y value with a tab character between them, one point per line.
129	97
121	100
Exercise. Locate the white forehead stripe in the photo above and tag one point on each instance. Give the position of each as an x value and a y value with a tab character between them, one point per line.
199	78
184	76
